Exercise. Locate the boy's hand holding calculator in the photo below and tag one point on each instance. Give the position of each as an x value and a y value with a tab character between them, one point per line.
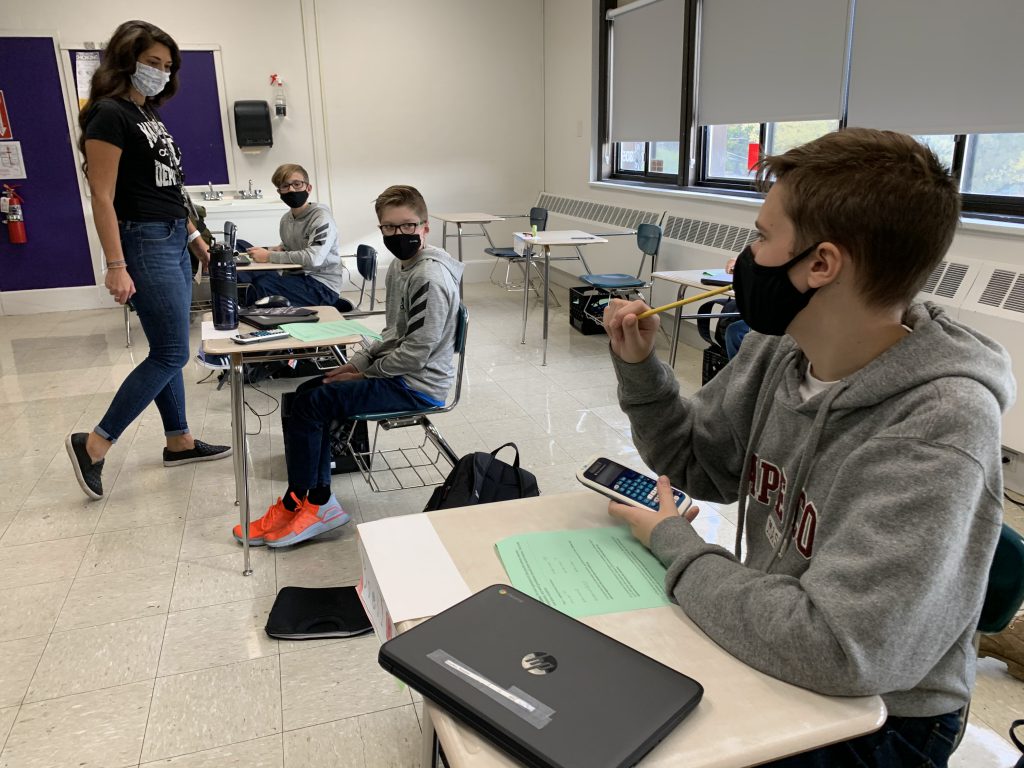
625	485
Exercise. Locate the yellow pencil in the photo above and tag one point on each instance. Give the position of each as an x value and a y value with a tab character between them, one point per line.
681	302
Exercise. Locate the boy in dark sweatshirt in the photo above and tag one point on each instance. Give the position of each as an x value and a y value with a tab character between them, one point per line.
409	369
859	432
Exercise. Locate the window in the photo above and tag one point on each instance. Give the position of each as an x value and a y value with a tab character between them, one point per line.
735	78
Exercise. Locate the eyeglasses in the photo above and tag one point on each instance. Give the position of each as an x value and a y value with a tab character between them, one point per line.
295	186
406	229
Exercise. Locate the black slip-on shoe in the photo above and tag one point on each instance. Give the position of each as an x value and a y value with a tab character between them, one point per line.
202	452
87	472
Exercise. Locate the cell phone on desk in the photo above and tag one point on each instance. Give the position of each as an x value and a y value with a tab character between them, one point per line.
625	485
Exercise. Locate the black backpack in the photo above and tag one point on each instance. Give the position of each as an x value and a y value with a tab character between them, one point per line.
481	478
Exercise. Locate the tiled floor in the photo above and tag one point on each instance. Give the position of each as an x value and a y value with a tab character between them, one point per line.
128	636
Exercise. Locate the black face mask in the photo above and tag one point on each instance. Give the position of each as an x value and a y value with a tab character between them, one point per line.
767	299
403	246
295	199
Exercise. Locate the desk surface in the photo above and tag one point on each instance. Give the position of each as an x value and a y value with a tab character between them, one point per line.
561	237
689	277
745	717
228	347
467	218
257	267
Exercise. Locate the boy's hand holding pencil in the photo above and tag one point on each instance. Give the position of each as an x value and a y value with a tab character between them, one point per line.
632	325
631	338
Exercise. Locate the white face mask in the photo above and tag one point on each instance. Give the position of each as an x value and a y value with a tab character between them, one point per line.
149	81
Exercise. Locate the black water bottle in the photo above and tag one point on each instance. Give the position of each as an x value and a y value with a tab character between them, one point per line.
223	288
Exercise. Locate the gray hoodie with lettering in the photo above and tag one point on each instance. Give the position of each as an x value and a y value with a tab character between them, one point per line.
419	339
870	511
311	239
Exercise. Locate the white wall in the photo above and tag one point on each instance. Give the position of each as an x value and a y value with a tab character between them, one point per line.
445	95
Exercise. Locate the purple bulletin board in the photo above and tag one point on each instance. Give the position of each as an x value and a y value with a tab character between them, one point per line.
193	118
57	252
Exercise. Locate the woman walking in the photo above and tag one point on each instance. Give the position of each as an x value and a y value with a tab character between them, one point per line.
140	210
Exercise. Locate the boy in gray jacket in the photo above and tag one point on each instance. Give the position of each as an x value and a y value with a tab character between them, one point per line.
409	369
309	237
859	432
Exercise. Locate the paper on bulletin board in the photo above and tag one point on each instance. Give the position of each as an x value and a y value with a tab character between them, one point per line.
86	64
584	572
12	163
6	131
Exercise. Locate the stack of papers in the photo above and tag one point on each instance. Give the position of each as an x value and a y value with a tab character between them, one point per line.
332	330
585	572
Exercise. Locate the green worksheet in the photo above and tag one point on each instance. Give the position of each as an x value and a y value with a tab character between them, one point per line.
584	572
330	330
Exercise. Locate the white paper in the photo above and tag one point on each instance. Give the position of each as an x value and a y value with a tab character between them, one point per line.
413	571
86	64
12	164
209	332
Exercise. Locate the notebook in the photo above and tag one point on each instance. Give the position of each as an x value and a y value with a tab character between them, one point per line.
547	689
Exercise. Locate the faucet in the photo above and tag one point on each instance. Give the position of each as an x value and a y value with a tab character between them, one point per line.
211	194
250	194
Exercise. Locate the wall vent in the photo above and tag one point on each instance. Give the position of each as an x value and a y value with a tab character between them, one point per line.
710	234
1015	301
946	279
998	286
613	215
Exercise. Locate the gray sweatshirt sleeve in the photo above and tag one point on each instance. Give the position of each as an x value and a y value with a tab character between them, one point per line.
888	591
427	312
314	244
695	441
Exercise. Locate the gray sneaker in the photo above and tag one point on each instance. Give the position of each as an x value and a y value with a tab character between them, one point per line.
87	471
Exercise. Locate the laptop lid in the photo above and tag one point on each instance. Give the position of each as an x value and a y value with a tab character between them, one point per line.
266	321
545	687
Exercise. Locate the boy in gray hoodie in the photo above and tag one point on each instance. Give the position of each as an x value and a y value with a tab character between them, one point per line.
859	432
309	236
409	369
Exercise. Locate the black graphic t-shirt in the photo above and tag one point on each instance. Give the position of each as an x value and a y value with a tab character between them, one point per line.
149	176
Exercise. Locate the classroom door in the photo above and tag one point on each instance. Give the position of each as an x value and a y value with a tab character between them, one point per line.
37	156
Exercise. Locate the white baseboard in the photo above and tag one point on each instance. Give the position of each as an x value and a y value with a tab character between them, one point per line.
54	300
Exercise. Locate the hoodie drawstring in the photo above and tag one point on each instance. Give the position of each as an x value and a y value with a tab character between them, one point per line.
802	471
762	408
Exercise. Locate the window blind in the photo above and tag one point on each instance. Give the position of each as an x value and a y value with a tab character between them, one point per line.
764	62
646	70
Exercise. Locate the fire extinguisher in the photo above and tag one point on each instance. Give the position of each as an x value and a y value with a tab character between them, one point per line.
10	207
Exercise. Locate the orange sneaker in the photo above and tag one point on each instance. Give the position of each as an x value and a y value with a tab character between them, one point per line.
277	516
312	520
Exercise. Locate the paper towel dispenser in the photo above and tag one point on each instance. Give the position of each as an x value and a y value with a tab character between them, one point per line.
252	124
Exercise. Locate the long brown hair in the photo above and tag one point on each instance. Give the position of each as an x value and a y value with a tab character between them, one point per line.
113	76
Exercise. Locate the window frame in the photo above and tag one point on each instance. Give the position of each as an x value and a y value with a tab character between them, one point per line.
693	139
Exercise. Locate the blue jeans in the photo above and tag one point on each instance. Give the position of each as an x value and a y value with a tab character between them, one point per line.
902	742
307	439
158	264
300	290
734	334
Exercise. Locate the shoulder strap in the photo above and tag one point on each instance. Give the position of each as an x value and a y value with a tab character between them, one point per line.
492	471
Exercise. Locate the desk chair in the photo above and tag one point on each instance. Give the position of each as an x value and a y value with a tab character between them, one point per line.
366	264
415	465
539	219
616	284
1003	597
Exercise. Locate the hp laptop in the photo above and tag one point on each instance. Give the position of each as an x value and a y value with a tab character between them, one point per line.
547	689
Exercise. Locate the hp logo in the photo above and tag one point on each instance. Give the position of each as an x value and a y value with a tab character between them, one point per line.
539	663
